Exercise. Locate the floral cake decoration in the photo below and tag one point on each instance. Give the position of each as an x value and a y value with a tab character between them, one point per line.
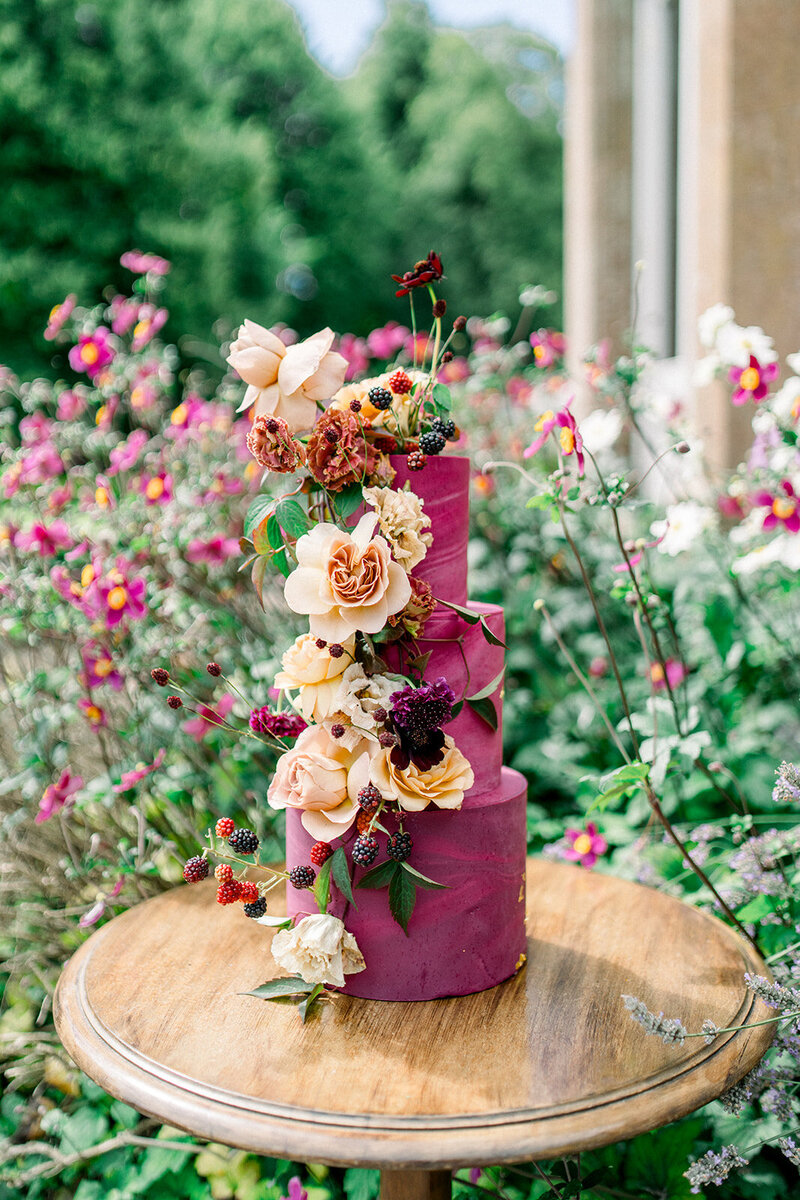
361	742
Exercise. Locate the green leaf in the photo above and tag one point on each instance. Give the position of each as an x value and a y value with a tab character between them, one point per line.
489	689
456	709
441	398
378	877
261	543
348	500
322	886
361	1185
422	881
539	502
257	575
466	614
304	1007
256	513
274	532
402	898
341	874
574	493
485	709
82	1129
290	985
282	563
756	909
292	517
491	638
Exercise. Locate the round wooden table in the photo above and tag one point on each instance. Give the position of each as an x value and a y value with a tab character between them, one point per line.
546	1064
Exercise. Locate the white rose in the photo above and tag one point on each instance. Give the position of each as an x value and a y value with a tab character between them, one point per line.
360	694
287	381
402	522
319	949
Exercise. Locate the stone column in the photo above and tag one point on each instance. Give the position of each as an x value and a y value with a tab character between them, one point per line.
597	215
738	217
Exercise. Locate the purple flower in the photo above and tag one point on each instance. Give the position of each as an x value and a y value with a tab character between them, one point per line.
71	404
783	509
215	551
424	709
356	351
145	264
98	667
150	321
264	720
787	785
57	796
208	718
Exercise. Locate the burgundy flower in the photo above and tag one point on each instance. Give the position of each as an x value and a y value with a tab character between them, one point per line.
423	273
271	444
338	452
280	724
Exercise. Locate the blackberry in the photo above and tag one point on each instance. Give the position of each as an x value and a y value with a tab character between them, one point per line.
369	798
301	877
196	869
256	909
432	442
228	893
248	891
363	822
320	852
223	873
446	428
416	461
380	398
243	841
365	850
399	846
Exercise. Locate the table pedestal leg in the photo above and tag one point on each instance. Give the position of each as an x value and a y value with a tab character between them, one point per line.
415	1185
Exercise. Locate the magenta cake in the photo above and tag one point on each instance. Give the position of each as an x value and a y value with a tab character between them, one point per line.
472	935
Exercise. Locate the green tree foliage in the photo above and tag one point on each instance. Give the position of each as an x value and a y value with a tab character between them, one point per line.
206	133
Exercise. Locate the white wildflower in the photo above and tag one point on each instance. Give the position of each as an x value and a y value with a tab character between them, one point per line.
735	345
684	524
711	321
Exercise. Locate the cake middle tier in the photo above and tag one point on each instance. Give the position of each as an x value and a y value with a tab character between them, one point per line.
460	653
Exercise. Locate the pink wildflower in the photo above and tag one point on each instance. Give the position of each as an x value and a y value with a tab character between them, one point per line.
751	381
124	313
118	597
783	510
35	428
125	455
47	540
57	796
570	440
59	498
216	551
208	718
96	716
71	403
223	485
424	348
140	771
674	675
145	264
544	427
93	914
151	319
296	1190
386	341
585	845
41	463
156	489
98	667
454	371
356	351
58	315
103	494
93	352
548	347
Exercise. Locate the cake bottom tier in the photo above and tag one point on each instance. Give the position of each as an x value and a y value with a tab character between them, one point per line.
464	938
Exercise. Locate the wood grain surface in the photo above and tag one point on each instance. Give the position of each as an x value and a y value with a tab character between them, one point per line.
152	1008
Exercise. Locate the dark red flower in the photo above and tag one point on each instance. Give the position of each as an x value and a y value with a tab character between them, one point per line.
424	272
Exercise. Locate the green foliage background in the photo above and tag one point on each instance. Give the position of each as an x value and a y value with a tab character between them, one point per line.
205	132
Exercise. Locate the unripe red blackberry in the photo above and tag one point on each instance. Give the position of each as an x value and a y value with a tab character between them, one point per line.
228	893
195	869
225	827
160	676
399	846
416	460
256	909
174	702
365	850
248	891
400	383
301	877
380	398
223	873
320	852
363	822
243	841
369	798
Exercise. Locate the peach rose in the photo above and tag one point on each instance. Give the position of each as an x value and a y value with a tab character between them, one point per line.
316	674
346	581
323	778
286	381
414	789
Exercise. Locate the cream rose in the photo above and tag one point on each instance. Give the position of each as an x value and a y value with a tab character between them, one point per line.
402	522
346	581
358	696
315	674
319	949
286	381
323	778
414	789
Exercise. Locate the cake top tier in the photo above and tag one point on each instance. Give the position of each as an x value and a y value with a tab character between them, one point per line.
443	486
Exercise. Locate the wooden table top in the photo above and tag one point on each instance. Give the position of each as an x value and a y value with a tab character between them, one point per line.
547	1063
